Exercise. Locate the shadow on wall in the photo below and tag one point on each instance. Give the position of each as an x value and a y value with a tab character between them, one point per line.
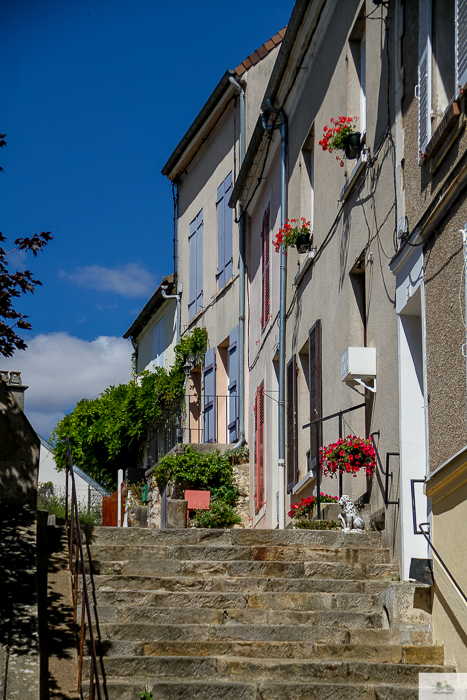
19	456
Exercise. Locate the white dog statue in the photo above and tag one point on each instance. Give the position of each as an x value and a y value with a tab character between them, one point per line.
350	518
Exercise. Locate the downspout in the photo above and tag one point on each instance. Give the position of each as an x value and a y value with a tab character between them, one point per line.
241	282
282	126
178	298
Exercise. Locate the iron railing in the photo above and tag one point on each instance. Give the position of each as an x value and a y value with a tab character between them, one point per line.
77	563
221	427
317	426
385	473
421	531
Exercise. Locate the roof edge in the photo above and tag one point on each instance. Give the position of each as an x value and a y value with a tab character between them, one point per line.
145	314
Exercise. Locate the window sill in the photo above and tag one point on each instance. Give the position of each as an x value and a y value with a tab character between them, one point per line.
195	318
447	132
304	267
354	175
260	514
226	286
309	476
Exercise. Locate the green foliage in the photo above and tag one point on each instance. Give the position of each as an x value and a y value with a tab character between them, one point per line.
317	525
54	504
135	493
105	432
146	695
238	454
219	515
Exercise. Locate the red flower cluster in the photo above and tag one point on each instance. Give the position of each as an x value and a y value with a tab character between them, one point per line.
347	456
334	135
306	505
288	234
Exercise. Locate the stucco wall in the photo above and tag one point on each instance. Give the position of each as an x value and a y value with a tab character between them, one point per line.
145	338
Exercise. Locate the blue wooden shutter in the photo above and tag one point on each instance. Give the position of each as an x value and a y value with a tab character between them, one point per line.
199	261
192	241
232	389
461	44
424	74
228	213
210	396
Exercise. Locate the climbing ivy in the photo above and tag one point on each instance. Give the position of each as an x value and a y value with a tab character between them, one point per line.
105	432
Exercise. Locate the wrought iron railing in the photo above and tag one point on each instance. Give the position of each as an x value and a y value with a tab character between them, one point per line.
420	531
77	565
211	418
385	472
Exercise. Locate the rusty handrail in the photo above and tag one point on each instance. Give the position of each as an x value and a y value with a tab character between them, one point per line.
85	607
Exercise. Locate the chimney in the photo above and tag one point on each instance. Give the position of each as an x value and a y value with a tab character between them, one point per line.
13	381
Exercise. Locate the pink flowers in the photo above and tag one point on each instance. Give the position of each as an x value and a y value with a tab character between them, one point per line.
288	234
335	135
304	509
347	456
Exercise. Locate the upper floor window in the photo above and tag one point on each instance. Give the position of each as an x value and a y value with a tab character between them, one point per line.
224	232
356	74
442	61
265	287
195	303
307	176
158	343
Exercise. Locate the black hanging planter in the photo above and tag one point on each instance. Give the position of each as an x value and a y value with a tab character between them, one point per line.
303	242
353	145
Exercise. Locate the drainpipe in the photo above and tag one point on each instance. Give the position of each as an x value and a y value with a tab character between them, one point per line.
241	282
282	126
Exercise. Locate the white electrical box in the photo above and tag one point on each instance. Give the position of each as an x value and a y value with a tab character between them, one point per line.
358	364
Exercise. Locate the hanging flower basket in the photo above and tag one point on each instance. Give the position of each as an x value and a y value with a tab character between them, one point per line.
294	234
341	136
348	456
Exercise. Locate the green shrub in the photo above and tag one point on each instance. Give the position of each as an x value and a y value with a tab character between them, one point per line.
54	504
317	525
219	515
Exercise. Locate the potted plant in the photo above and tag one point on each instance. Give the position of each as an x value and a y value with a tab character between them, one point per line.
304	509
341	136
348	456
294	234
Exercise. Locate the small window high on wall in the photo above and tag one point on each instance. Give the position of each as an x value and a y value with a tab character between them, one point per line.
224	233
307	180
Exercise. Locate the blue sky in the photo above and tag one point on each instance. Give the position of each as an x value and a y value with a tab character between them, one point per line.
95	96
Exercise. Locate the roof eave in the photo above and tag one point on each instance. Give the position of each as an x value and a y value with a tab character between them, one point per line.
149	308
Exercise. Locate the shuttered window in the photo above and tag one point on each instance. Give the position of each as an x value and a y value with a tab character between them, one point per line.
315	386
158	343
195	303
424	74
265	285
259	447
224	233
292	424
232	387
210	396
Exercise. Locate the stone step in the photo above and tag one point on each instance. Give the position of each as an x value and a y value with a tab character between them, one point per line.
359	602
221	668
389	653
241	537
244	616
301	569
218	553
202	690
233	584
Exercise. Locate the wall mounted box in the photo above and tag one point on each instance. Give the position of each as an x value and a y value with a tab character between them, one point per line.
358	363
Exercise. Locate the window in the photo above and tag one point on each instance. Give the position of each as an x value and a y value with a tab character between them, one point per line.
315	387
195	303
224	233
356	74
292	424
265	289
442	61
259	447
158	343
232	387
210	396
308	179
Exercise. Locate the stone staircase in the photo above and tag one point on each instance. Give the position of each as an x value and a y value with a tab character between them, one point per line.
256	615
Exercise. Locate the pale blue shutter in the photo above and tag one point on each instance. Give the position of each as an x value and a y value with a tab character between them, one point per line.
192	241
424	74
158	334
199	261
210	396
232	389
220	237
461	44
228	213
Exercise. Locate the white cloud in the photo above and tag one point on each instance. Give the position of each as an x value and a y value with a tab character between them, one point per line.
130	281
60	369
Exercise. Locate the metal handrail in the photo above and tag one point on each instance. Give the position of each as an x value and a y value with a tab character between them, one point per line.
387	502
79	562
317	424
421	531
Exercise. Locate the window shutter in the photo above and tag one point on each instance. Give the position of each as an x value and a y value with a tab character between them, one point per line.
232	389
259	445
199	261
265	301
424	74
192	299
210	396
228	214
158	333
220	237
461	44
315	385
292	425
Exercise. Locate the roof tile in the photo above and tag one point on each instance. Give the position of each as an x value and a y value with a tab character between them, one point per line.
247	63
254	58
269	45
276	39
262	51
240	70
